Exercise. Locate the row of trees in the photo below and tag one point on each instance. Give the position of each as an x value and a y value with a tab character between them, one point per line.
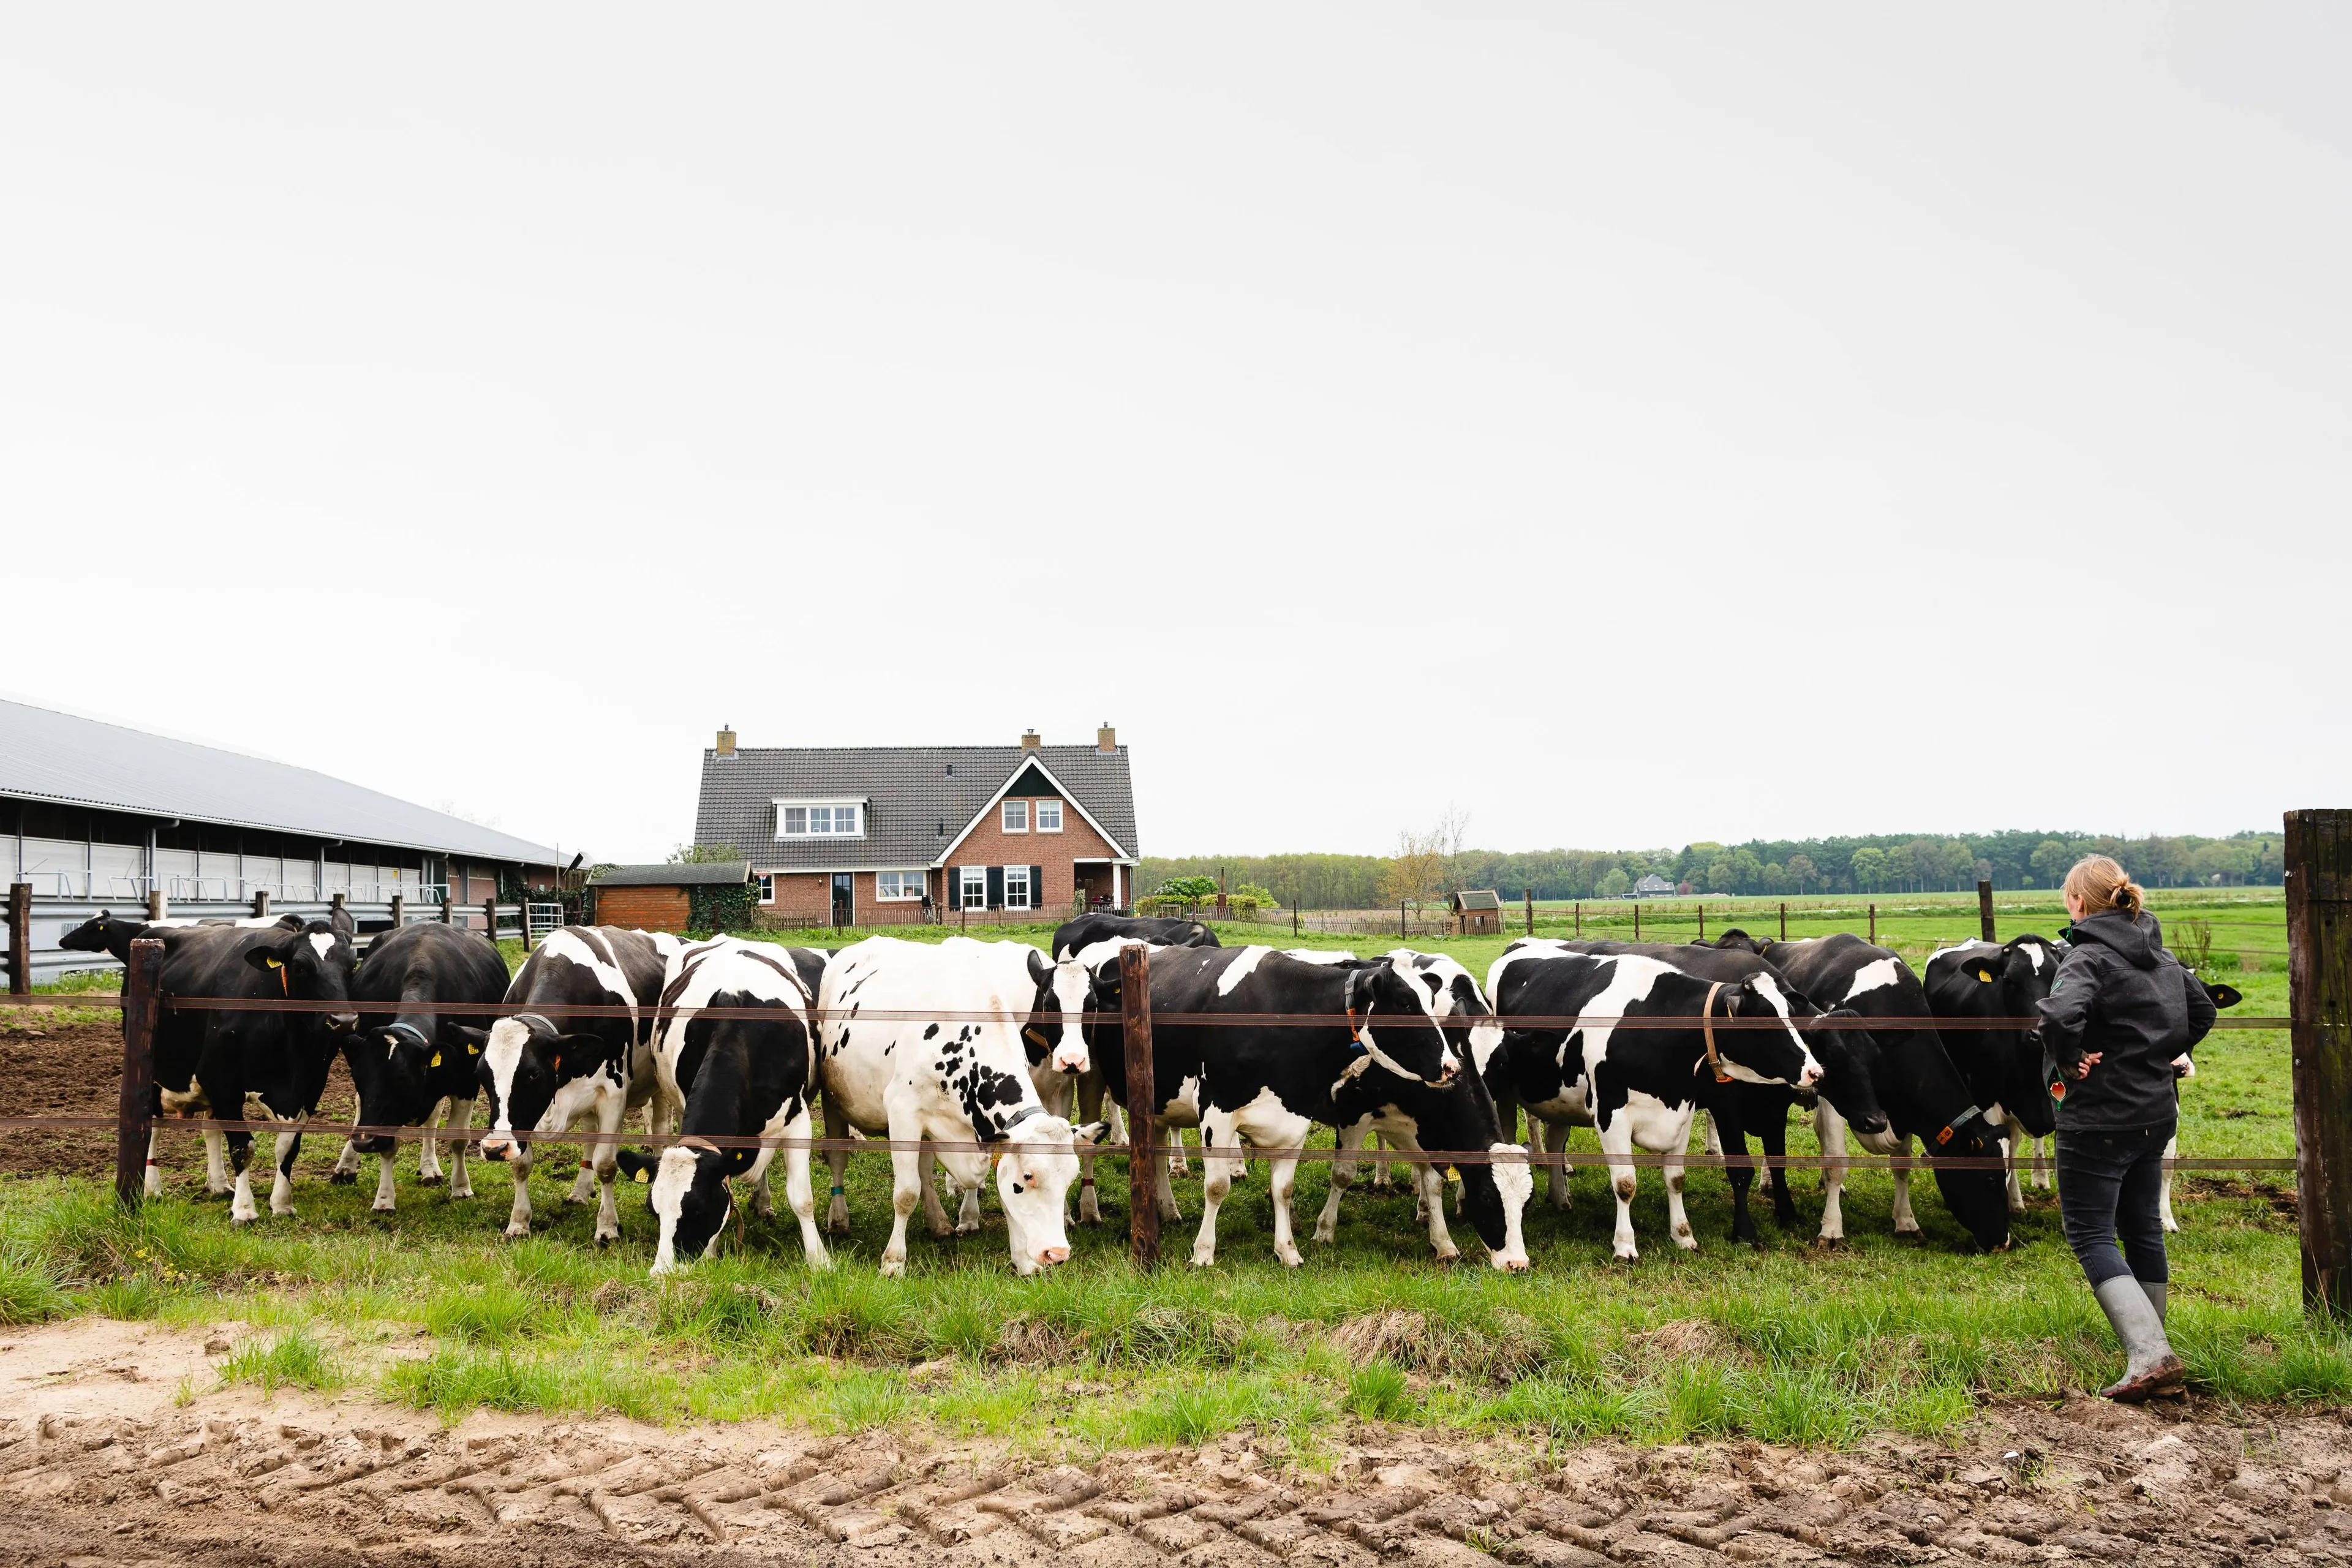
1429	864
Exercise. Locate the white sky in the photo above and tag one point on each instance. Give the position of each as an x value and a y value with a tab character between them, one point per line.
1857	418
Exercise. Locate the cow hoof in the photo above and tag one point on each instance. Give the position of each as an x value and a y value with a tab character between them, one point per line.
516	1232
1912	1234
1829	1243
604	1241
893	1266
343	1178
1627	1258
433	1179
385	1207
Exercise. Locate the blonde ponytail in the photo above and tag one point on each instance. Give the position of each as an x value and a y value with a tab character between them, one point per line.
2102	885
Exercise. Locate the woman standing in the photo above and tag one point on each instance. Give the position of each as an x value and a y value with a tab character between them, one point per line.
2119	1013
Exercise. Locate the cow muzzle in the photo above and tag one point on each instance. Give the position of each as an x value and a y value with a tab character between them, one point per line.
495	1148
343	1023
1050	1255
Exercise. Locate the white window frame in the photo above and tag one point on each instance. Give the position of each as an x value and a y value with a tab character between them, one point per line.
973	882
1038	815
768	887
1028	893
917	881
834	809
1005	811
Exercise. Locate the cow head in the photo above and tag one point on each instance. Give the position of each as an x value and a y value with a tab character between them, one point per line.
535	1077
2003	1066
1033	1182
397	1071
1978	1199
1765	1055
1849	1058
691	1199
101	933
1495	1194
1456	997
1392	1016
312	962
1055	1032
1736	940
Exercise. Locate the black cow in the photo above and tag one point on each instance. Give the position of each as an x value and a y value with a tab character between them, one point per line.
1847	1094
540	1076
1980	980
1638	1086
1075	936
1391	1068
407	1059
1923	1090
208	1062
735	1077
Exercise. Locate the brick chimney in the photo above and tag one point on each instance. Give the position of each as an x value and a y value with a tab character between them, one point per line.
1105	737
726	747
1029	741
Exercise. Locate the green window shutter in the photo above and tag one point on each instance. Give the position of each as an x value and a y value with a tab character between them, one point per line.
996	887
1037	887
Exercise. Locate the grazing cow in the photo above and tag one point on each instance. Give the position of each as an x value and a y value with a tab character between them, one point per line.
539	1076
1924	1093
1635	1085
1846	1096
1980	979
209	1062
950	1080
410	1061
1391	1066
1074	936
741	1078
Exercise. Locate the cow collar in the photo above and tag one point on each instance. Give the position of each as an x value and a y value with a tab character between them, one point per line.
1707	1031
527	1019
1004	1132
1967	1114
411	1030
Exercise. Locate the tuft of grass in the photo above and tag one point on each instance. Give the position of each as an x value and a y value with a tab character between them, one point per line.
1380	1392
288	1358
488	1314
28	1291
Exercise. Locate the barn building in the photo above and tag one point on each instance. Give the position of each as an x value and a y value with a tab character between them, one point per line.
904	834
96	816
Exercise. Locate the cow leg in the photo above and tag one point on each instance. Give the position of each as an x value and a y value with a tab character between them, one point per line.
519	1167
1163	1183
281	1185
763	1200
908	1183
2164	1193
1431	1181
935	1218
461	1115
800	1193
1616	1147
1739	1173
347	1164
836	1127
614	1115
428	1148
385	1202
583	1184
2042	1176
1178	1164
1378	1180
1557	1169
1343	1176
154	1171
968	1217
2020	1148
1281	1174
1774	1139
1829	1127
1090	1093
1216	1181
1906	1223
1678	1221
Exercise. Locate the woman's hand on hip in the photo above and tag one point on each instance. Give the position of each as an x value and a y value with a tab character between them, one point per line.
2090	1060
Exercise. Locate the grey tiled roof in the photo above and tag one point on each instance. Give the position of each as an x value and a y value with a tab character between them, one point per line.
1477	899
916	807
703	874
51	756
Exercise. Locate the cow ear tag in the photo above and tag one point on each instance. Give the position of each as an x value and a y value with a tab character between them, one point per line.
274	964
1985	976
436	1061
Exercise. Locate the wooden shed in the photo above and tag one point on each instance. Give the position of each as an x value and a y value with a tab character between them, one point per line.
659	897
1477	913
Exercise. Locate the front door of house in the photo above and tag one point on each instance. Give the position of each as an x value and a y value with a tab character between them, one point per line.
840	904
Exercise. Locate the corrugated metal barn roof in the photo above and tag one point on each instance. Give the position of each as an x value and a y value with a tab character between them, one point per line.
51	756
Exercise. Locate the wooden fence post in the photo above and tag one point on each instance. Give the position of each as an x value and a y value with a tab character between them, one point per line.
143	997
261	905
490	918
1702	921
1984	910
2319	991
1637	920
20	940
448	909
399	910
1402	934
1143	1100
1579	920
1874	925
1294	919
158	907
1784	920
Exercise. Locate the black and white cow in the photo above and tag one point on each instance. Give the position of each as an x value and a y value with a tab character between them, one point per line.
735	1077
1846	1096
2184	1067
1390	1066
545	1077
209	1062
1075	936
959	1079
1637	1087
1982	980
408	1060
1923	1091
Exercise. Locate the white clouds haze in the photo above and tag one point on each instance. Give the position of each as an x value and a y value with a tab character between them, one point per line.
1631	424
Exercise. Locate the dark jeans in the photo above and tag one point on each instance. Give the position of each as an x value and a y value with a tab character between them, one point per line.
2108	1184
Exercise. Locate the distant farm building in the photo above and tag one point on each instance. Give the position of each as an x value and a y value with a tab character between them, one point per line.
1652	887
1478	913
900	835
659	897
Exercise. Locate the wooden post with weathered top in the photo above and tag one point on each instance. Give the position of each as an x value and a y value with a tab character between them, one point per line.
1874	925
261	904
2319	992
157	905
20	940
1143	1100
1984	910
1784	920
491	919
143	1000
1531	912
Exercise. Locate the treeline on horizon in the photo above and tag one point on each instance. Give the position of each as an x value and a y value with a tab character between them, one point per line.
1881	863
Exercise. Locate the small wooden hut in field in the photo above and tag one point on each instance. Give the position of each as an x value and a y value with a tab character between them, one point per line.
1477	913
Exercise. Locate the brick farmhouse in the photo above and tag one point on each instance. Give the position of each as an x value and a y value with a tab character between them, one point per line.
897	835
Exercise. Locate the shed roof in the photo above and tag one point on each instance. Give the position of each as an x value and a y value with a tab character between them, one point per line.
919	798
1477	899
701	874
62	758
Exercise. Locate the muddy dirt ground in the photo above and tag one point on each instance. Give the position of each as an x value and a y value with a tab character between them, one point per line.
120	1447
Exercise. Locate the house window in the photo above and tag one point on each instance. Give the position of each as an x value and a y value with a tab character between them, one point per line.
897	886
1016	887
767	890
812	819
975	888
1049	816
1017	816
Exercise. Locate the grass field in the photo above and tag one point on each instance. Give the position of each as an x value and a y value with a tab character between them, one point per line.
1785	1343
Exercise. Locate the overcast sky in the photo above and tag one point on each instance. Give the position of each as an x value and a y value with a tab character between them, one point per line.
1629	423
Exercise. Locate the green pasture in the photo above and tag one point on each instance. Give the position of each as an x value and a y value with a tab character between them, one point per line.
1785	1343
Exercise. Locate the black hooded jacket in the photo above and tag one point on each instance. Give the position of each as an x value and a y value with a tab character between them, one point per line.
2119	993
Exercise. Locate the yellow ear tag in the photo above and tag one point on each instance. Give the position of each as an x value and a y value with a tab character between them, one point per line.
1985	976
273	964
1452	1172
436	1061
641	1176
472	1049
